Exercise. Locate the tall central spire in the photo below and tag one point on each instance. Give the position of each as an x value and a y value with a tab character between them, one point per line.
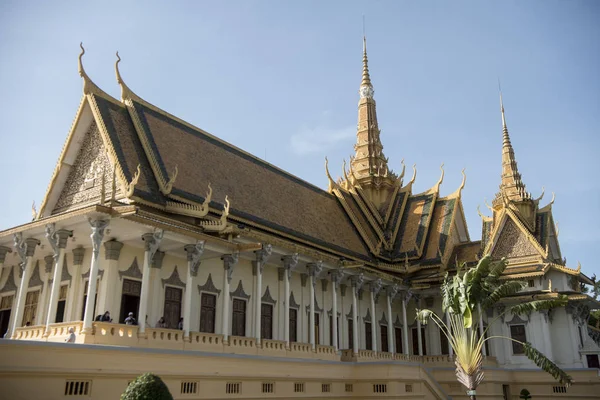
369	165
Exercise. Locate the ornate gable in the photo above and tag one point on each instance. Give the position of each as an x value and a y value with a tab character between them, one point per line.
512	242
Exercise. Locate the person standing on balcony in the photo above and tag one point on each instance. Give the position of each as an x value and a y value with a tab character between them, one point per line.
130	320
106	317
71	338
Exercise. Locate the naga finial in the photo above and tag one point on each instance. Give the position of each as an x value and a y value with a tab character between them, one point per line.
169	185
131	186
80	62
401	176
34	212
225	210
437	185
487	205
119	79
412	180
541	195
553	198
331	181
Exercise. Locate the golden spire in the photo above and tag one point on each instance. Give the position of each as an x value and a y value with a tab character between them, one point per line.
511	186
366	78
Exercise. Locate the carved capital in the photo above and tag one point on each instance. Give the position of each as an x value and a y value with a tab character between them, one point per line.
289	263
375	286
78	254
336	276
194	252
314	269
157	260
98	226
3	252
262	255
152	241
30	244
49	263
229	261
63	236
58	239
112	249
392	291
357	281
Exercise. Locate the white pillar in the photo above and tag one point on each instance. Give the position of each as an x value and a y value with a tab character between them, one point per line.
25	249
289	263
262	256
73	312
58	242
419	337
374	287
98	227
156	288
391	293
357	282
481	328
110	280
194	252
151	243
450	349
336	277
314	269
405	299
229	261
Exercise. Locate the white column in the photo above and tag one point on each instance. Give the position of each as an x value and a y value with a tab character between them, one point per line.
110	280
391	293
374	287
336	277
405	299
156	288
151	243
481	328
314	269
98	227
419	337
25	249
229	261
194	252
289	263
73	312
262	256
357	282
450	349
58	242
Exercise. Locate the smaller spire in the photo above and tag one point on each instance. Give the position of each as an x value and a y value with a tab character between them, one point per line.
366	78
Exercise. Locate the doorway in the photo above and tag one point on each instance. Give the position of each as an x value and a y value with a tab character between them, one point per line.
172	308
293	325
5	307
266	321
130	299
62	302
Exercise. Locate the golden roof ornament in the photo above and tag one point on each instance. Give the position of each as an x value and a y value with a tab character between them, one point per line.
130	187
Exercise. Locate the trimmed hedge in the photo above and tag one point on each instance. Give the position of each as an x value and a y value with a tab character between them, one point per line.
147	387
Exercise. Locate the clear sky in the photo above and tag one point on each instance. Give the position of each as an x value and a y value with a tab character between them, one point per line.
280	80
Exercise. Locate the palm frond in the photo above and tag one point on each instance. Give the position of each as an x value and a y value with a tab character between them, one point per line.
546	365
497	269
537	305
504	290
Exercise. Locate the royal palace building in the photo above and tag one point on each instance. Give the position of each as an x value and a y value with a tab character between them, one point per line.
269	287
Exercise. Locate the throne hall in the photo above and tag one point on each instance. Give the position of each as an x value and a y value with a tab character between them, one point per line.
248	282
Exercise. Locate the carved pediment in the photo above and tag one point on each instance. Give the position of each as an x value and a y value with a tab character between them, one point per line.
133	271
267	298
174	279
239	292
10	285
209	287
35	279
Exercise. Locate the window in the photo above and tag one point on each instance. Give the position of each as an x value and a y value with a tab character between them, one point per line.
559	389
368	336
238	327
444	343
172	306
62	302
415	338
351	333
208	307
325	387
349	387
592	361
331	331
5	308
78	388
384	338
380	388
530	283
299	387
517	332
408	388
398	337
233	388
189	387
268	387
293	325
506	392
266	321
30	311
317	322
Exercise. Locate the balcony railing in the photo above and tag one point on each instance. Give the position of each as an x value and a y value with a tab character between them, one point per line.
109	334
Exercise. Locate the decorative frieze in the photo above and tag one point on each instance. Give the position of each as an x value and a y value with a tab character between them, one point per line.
112	250
173	280
209	287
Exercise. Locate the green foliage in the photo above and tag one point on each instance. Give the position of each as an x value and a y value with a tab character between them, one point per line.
147	387
525	395
545	364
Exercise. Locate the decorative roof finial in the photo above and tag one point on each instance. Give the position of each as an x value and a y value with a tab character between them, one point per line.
89	87
80	63
366	87
125	91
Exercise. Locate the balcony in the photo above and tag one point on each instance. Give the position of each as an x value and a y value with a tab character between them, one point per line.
110	334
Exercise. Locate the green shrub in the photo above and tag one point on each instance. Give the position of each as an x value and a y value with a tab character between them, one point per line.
147	387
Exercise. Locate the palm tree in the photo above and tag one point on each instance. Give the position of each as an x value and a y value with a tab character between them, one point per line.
467	294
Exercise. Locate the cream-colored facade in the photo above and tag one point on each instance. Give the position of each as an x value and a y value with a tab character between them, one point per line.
296	292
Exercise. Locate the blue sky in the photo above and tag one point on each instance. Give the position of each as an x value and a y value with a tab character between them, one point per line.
280	80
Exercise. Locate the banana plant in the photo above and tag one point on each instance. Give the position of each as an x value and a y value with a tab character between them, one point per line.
463	296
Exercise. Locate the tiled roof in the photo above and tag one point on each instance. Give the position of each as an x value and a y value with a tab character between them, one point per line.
414	225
